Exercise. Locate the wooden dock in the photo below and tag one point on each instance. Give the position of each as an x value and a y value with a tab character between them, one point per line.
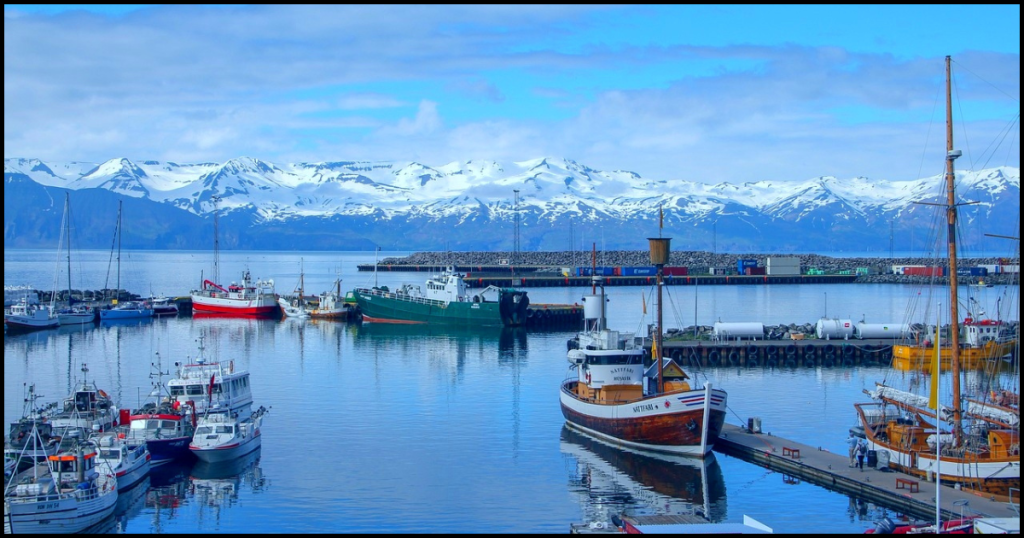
894	490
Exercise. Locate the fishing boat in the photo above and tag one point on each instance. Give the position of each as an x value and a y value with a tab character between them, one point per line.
71	314
611	393
64	495
249	297
223	436
297	307
446	300
25	317
331	304
123	310
164	425
200	385
971	441
127	461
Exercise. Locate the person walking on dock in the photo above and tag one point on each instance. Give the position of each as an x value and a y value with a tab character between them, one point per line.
853	441
862	450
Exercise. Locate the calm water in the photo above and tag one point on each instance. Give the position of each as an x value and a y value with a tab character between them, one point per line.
397	429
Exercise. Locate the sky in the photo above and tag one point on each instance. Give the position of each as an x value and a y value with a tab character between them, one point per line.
711	93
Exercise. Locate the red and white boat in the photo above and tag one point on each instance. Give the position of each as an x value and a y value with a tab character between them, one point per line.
248	298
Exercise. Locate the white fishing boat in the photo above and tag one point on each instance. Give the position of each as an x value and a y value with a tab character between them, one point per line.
297	307
64	495
165	426
201	385
128	462
25	316
163	306
223	436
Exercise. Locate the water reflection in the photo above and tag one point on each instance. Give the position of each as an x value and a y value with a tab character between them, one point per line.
610	480
217	485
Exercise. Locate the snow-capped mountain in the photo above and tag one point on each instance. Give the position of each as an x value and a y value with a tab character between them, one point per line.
471	205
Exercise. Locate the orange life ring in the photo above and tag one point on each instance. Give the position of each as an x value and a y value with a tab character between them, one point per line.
587	376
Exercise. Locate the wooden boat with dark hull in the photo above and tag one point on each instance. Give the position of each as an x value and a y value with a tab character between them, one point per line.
614	393
964	436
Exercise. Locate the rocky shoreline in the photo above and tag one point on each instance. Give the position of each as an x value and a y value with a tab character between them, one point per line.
878	268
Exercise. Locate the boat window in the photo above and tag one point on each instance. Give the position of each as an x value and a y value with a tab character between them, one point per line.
204	430
177	390
168	424
195	390
216	388
225	429
109	455
613	359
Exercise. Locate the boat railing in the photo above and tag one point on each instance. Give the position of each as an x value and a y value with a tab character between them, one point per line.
402	297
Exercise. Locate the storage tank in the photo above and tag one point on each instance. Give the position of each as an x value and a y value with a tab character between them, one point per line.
833	328
727	331
882	330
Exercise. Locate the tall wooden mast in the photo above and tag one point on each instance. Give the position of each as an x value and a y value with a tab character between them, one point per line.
954	336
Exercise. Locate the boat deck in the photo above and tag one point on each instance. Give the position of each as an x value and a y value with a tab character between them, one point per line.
900	492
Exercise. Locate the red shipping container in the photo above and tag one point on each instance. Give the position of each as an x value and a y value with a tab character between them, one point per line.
675	271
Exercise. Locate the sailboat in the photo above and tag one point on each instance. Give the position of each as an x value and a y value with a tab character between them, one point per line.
611	394
118	310
72	314
969	442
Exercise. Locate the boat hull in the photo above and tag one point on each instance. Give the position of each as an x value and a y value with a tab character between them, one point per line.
66	515
228	452
671	423
260	307
129	478
25	324
163	451
391	308
116	314
76	318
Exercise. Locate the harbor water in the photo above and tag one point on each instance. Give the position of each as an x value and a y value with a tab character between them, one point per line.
412	429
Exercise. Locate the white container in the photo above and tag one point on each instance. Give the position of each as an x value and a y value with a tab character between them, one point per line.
834	328
881	330
730	331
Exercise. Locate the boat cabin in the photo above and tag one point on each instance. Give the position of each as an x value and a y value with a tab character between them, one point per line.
215	384
978	332
71	469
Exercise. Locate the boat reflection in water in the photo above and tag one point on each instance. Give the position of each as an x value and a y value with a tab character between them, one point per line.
217	484
613	481
129	505
168	487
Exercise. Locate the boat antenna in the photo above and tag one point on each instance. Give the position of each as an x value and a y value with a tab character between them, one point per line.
659	257
216	238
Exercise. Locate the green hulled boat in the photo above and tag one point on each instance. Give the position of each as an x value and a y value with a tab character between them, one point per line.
445	301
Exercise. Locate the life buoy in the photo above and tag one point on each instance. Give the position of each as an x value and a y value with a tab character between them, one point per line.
587	377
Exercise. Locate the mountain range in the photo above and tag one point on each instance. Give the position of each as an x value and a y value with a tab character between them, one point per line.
543	204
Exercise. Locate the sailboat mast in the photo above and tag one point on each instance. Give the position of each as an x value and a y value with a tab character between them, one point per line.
67	232
216	239
659	257
954	329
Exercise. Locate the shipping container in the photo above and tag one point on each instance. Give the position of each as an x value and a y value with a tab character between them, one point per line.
979	271
1012	269
639	271
752	271
924	271
741	265
675	271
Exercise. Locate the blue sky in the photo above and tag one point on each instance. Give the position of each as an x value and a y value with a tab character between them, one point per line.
702	93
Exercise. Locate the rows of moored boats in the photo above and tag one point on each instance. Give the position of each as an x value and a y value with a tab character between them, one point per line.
66	462
26	315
